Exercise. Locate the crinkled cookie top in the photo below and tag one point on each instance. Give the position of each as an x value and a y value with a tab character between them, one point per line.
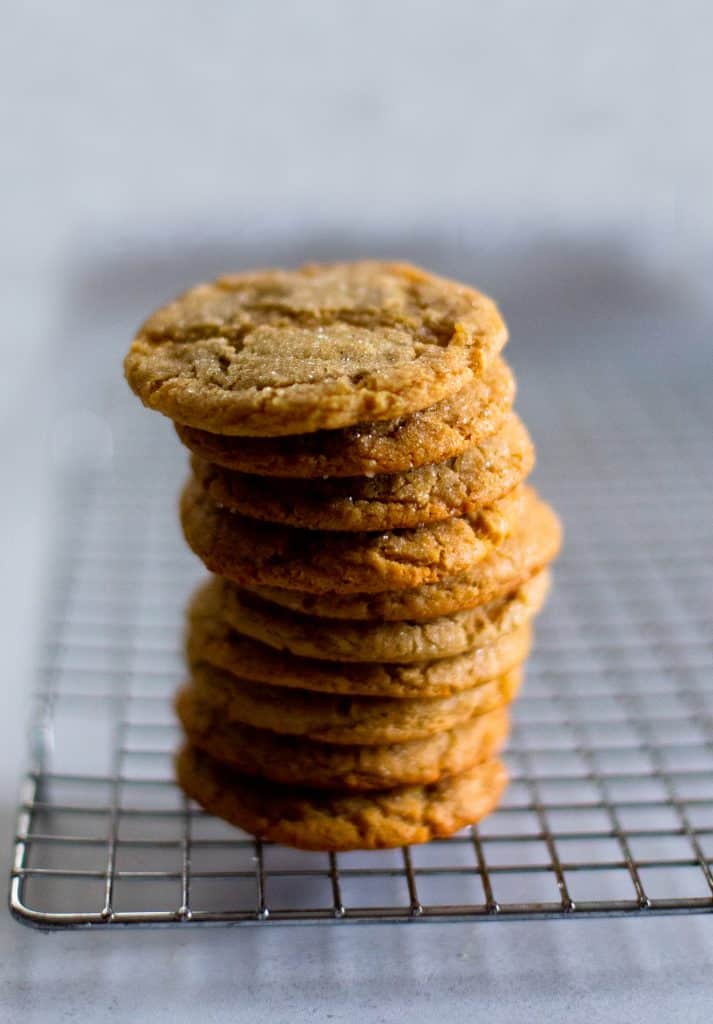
280	352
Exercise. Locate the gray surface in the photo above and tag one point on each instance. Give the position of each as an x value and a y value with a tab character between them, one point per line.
635	972
558	158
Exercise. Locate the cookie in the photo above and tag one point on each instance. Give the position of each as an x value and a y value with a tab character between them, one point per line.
314	819
528	549
435	434
331	718
264	554
289	760
288	352
340	640
210	639
485	473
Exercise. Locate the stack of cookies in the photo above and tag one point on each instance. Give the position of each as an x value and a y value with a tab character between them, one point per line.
357	493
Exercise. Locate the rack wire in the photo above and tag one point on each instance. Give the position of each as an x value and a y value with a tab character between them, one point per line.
610	808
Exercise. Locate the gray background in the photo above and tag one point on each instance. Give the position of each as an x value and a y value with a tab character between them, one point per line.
557	154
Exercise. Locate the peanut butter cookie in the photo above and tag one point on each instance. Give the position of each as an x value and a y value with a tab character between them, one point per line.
314	819
289	352
482	475
330	718
211	639
531	546
348	641
290	760
264	554
434	434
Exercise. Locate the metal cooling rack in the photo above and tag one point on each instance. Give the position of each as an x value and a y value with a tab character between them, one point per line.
610	809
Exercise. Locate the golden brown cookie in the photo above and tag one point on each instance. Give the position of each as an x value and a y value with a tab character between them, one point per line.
345	641
459	487
314	819
290	760
435	434
288	352
528	549
265	554
210	639
331	718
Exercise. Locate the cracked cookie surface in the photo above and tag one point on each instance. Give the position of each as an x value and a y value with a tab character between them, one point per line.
281	352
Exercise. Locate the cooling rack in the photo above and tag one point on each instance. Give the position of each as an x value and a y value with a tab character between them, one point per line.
610	809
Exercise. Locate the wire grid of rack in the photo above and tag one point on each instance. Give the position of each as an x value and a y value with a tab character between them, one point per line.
610	808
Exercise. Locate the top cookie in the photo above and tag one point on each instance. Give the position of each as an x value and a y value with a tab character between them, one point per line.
279	352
